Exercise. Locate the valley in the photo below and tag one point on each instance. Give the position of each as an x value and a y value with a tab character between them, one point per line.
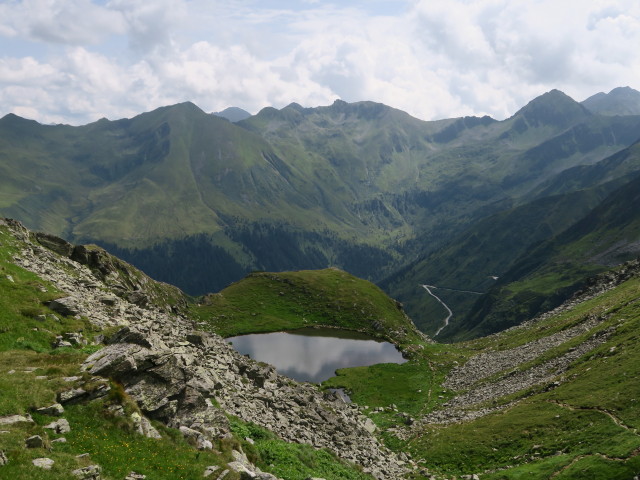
499	259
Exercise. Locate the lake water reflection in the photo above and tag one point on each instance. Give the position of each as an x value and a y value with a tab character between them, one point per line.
313	355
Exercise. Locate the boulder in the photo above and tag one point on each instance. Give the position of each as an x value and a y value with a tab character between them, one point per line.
53	243
72	396
11	419
59	426
143	426
34	441
3	458
91	472
45	463
67	306
210	470
54	410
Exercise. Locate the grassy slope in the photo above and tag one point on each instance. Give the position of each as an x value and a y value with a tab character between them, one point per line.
585	428
268	302
547	274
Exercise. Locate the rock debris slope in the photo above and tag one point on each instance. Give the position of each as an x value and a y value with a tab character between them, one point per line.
187	378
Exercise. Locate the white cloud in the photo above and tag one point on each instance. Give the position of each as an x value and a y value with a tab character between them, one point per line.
70	22
76	60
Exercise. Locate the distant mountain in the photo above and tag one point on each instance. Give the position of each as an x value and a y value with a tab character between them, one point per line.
466	266
548	273
619	101
199	201
233	114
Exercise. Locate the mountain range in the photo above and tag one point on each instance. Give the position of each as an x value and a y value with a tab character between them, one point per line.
199	200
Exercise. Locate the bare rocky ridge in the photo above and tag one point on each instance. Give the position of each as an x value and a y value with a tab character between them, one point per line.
188	378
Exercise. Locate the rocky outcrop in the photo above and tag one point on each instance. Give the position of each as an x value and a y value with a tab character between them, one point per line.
189	379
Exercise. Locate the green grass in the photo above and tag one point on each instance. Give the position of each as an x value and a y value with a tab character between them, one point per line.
268	302
291	461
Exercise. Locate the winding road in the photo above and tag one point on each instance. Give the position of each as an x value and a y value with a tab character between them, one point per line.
450	314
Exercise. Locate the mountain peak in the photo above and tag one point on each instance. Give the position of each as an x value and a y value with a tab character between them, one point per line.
619	101
552	108
233	114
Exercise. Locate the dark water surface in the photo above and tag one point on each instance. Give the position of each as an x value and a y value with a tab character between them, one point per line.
313	355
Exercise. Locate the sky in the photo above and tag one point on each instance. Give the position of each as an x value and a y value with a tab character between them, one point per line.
76	61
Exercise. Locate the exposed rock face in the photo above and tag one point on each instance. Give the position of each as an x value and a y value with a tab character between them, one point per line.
189	379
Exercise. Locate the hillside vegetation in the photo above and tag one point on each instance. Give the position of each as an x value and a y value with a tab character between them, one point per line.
198	201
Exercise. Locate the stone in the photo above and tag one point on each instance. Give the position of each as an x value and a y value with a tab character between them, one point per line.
75	338
54	410
135	476
71	396
91	472
210	470
67	306
143	426
126	335
369	426
109	300
3	458
34	441
61	343
241	469
56	244
11	419
59	426
59	440
45	463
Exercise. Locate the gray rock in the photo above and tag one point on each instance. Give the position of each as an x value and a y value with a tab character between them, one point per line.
34	441
72	396
54	243
210	470
91	472
369	426
143	426
59	426
55	410
240	468
61	343
3	458
135	476
11	419
75	338
59	440
109	300
45	463
67	306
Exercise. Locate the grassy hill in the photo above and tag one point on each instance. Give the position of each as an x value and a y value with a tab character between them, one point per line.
268	302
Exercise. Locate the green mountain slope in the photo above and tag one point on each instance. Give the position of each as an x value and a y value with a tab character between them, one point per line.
199	201
492	246
548	273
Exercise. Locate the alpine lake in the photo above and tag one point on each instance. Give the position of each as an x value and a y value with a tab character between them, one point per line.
314	354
